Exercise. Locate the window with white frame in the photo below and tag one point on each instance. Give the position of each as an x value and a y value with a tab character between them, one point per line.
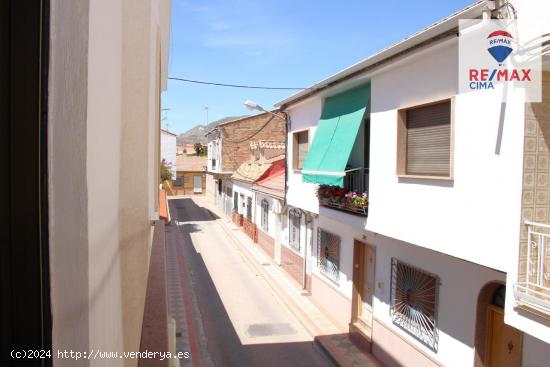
294	223
265	215
328	260
414	302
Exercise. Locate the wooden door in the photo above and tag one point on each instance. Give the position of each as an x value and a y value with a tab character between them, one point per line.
504	343
364	258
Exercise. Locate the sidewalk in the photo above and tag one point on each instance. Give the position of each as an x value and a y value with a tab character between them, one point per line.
335	343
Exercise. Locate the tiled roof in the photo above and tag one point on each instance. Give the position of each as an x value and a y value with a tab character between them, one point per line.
190	163
252	169
272	182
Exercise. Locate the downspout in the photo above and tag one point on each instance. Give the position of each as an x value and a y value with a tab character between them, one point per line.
307	219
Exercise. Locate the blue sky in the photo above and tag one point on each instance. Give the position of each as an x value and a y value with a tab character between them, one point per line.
278	43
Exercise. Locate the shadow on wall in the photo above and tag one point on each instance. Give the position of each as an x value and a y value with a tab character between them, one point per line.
458	311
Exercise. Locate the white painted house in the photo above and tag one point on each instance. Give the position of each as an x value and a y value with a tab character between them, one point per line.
168	149
453	183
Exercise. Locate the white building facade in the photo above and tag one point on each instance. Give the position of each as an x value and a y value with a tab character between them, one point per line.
431	270
168	149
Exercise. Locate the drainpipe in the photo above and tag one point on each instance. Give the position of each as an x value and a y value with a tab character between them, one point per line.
308	219
287	129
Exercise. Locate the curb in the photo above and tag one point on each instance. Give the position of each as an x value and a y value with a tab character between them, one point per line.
289	304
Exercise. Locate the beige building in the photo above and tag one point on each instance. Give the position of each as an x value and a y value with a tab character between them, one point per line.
97	69
190	176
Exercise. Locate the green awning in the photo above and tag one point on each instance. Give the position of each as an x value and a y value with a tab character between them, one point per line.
334	138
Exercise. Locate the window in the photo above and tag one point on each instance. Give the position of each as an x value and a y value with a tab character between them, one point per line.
265	215
177	181
294	222
220	187
328	248
235	201
249	208
300	149
424	140
414	302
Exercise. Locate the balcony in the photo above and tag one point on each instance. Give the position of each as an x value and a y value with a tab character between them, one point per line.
352	198
533	287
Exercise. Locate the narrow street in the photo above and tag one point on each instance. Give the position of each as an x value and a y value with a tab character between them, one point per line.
225	312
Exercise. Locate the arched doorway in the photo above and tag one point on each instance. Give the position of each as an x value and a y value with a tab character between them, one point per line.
496	344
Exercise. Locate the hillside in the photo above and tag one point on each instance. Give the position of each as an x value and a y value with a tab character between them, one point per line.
196	134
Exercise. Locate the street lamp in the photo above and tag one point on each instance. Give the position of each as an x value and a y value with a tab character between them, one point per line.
253	106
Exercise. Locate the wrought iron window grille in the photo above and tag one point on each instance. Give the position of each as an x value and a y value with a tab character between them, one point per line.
414	296
328	250
294	224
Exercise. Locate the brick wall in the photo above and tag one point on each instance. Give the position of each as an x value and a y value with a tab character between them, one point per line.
293	264
250	229
267	243
237	218
237	136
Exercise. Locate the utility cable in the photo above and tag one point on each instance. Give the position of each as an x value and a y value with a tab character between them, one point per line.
235	85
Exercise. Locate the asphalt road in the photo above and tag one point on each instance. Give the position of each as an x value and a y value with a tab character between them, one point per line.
236	319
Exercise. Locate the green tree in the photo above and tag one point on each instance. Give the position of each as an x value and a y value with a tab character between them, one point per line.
165	173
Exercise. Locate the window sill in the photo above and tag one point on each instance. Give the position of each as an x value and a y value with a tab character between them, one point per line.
427	177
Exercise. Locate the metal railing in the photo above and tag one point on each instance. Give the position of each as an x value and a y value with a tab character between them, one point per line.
357	181
533	287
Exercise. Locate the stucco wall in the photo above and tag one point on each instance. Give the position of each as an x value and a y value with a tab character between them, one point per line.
105	69
271	222
460	283
433	213
68	193
302	116
168	150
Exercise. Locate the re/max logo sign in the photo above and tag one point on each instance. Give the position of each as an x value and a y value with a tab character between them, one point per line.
484	78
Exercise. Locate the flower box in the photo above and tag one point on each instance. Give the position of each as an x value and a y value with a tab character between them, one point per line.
338	198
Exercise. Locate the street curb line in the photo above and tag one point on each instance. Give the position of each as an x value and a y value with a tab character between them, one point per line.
289	304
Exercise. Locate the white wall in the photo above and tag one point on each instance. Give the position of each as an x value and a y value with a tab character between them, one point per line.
168	150
474	216
214	152
460	284
245	189
272	220
302	116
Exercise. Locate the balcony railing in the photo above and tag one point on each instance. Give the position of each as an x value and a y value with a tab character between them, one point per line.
353	197
533	286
